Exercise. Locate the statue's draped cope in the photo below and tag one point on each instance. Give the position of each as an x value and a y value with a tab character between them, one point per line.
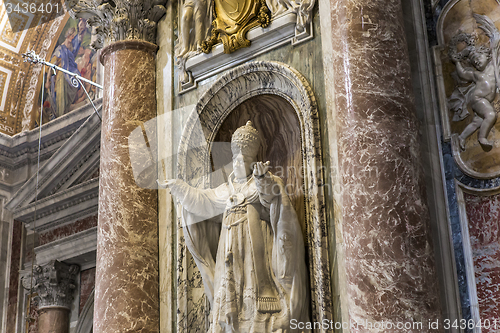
258	280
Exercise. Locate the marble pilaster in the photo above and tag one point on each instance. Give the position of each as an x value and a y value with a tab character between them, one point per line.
126	288
389	257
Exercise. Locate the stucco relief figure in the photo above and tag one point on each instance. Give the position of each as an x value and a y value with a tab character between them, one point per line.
195	24
256	279
483	78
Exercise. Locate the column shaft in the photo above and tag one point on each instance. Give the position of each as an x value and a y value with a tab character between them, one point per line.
390	266
126	293
53	320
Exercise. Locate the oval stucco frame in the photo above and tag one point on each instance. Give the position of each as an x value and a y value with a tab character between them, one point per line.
232	89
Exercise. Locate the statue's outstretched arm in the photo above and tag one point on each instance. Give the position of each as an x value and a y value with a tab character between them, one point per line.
201	202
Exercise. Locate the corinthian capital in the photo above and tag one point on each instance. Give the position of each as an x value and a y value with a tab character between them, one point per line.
54	284
119	19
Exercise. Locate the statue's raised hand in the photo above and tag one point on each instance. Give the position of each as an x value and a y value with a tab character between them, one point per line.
260	169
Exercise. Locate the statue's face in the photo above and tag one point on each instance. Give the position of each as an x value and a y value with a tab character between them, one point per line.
242	165
480	60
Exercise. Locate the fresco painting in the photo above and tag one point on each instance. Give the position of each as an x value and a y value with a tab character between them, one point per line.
73	53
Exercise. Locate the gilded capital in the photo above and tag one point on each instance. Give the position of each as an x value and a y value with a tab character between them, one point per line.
120	19
53	283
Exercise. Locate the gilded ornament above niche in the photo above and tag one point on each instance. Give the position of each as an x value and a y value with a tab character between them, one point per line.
220	34
233	19
467	75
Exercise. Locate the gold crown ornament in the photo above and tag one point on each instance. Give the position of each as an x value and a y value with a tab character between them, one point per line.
246	139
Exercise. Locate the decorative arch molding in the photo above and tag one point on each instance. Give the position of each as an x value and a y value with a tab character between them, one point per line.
231	90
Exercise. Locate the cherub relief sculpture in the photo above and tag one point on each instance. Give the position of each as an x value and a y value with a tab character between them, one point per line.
256	279
479	95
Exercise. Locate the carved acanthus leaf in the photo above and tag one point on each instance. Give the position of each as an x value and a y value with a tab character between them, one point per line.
54	283
119	20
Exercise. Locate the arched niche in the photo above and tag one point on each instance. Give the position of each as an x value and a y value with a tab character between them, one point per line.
282	106
279	127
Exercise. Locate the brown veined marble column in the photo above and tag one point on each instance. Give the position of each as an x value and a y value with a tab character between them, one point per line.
53	320
54	285
389	256
126	288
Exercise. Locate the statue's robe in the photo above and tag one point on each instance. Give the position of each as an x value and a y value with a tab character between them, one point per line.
258	282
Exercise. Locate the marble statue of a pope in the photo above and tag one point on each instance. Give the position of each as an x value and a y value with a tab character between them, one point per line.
252	260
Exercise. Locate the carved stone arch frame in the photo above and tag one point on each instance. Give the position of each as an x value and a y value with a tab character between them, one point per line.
232	89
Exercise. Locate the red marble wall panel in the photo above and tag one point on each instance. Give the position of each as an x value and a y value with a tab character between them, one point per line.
68	230
87	283
483	214
15	258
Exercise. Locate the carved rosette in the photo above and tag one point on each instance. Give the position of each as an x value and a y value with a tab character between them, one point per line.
120	19
54	284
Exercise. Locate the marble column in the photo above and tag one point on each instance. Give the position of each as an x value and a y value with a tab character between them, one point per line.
54	285
126	290
126	286
389	257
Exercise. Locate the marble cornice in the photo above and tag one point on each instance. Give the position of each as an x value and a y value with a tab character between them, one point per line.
61	208
86	138
74	248
89	158
120	19
22	149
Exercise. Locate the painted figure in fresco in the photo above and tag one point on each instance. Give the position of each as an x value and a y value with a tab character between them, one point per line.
63	92
481	93
73	54
254	268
